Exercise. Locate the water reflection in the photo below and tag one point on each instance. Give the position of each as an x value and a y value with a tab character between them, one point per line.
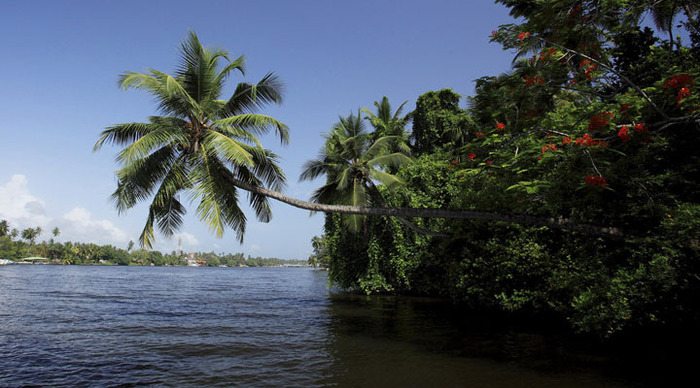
400	342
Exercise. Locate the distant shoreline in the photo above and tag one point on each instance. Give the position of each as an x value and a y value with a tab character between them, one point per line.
153	265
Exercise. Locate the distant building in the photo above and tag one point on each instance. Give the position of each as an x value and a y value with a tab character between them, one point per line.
192	261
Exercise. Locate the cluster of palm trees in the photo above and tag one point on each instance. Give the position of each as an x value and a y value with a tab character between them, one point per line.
207	148
352	159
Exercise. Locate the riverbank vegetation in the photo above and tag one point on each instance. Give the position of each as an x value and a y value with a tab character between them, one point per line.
17	245
566	186
597	122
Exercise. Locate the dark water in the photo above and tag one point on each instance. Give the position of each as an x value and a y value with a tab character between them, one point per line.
134	326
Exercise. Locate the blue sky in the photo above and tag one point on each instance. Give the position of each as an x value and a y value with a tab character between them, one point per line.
61	60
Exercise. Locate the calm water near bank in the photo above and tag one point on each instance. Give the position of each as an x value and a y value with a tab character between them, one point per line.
180	326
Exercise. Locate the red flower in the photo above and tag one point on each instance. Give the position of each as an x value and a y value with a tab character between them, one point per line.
566	140
549	147
682	93
489	162
595	180
479	134
624	108
623	134
600	120
588	67
679	81
640	128
454	162
589	70
546	54
500	126
523	35
585	140
471	156
588	141
533	80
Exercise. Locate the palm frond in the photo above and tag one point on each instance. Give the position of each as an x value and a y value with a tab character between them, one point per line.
380	145
236	64
148	235
218	198
344	179
358	197
137	179
256	123
326	194
258	202
395	160
313	169
238	134
248	98
166	207
144	145
198	69
123	134
230	149
266	168
171	95
385	178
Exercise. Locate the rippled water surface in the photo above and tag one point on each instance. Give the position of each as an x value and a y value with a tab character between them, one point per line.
179	326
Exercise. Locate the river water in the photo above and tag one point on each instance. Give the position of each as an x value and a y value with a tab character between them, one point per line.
183	326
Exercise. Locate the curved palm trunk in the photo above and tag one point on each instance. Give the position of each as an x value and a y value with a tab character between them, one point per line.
559	223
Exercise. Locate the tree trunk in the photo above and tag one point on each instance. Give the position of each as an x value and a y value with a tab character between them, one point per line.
559	223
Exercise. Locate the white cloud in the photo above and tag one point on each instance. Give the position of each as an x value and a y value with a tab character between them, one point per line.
19	207
22	209
187	239
79	225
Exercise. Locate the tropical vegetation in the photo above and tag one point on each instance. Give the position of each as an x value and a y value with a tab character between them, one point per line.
597	122
17	249
567	186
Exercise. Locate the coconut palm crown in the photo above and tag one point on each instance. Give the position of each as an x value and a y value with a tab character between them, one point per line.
352	160
199	144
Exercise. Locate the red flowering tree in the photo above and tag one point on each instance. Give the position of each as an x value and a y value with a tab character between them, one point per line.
598	121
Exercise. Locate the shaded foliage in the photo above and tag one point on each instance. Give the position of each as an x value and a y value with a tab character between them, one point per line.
597	121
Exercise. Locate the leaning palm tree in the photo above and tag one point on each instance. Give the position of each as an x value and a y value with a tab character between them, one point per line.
207	148
352	161
199	144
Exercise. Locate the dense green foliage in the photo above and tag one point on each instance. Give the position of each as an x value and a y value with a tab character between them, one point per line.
596	122
15	249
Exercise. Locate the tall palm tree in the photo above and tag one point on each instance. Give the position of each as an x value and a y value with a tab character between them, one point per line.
352	160
198	145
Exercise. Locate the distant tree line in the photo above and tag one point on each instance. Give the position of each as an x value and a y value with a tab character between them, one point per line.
17	244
